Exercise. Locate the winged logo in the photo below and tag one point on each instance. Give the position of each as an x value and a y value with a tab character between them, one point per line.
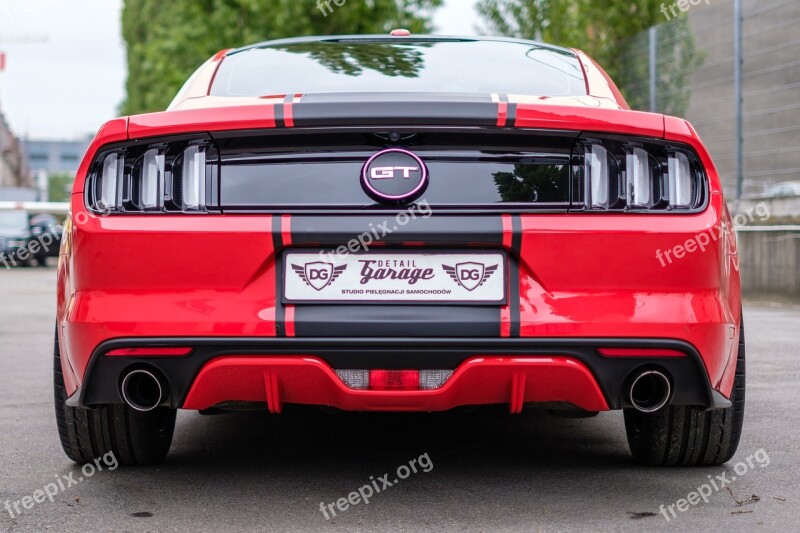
318	274
470	275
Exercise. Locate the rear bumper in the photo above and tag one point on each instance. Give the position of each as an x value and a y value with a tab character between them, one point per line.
477	381
515	371
576	283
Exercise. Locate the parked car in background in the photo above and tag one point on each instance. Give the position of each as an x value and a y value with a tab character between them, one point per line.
45	223
783	189
27	240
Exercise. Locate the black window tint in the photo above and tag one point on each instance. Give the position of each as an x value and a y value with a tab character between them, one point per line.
337	184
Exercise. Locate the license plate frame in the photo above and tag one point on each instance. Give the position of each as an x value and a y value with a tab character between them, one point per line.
486	271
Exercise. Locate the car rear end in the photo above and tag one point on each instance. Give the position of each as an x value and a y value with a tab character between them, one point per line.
391	251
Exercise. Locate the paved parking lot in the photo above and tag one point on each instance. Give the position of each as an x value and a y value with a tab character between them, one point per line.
488	471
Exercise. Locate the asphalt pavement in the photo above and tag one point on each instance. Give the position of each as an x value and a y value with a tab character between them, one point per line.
471	471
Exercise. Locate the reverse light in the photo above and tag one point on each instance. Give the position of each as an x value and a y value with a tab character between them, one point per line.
433	379
355	379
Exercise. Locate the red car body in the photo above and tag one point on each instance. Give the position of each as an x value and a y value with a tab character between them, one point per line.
197	298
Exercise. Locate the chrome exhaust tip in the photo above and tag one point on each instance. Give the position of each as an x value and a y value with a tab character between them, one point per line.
142	390
650	391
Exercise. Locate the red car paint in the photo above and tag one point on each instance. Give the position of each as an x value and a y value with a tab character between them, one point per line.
582	275
484	380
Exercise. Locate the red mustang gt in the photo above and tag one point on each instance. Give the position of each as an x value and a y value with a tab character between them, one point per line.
399	223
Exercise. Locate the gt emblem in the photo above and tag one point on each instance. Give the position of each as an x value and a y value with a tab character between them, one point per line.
394	176
318	274
470	275
388	173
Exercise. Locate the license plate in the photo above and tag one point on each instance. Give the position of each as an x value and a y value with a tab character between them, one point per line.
396	277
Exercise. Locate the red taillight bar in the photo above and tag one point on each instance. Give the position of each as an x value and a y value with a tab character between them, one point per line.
149	351
394	379
640	352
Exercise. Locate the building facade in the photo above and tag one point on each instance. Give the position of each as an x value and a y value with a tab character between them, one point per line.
54	156
770	81
14	170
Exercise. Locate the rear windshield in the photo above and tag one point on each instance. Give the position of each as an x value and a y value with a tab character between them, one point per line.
376	66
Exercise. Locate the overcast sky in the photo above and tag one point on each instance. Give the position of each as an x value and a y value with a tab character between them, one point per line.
69	85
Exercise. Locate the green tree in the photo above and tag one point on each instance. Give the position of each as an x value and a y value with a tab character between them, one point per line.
167	41
60	187
676	58
606	31
533	183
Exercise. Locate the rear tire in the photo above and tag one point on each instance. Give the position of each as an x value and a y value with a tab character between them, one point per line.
689	436
133	437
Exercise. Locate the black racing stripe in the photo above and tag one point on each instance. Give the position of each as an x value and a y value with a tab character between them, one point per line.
396	321
367	113
330	231
516	234
280	121
280	311
277	235
383	98
511	118
514	296
431	320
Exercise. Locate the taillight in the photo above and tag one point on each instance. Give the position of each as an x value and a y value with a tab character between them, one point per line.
682	186
149	351
382	380
108	181
151	179
193	178
598	176
619	174
640	169
177	176
394	379
640	352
